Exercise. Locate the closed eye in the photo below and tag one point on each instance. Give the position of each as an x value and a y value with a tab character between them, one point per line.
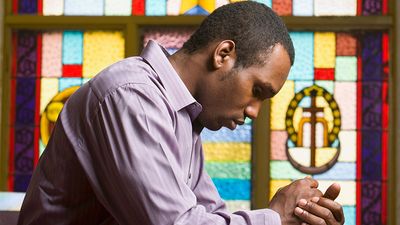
257	92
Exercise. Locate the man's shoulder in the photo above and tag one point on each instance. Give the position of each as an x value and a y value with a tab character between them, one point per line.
130	71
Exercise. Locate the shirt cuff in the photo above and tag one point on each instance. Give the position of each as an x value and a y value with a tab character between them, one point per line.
261	217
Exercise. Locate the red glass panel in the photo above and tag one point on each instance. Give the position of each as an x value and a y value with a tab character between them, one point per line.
282	7
384	203
346	45
138	7
72	70
385	106
359	10
324	74
385	56
40	7
15	6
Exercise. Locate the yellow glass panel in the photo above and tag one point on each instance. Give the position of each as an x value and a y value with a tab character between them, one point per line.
208	5
275	185
298	114
227	152
187	5
279	105
324	49
49	89
328	115
347	192
324	155
101	49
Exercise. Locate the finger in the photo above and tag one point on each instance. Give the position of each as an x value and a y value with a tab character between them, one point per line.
332	192
308	217
317	211
334	207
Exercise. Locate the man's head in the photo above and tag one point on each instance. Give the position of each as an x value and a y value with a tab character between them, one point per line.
240	55
252	26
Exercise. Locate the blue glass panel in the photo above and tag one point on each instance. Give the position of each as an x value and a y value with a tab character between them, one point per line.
371	7
23	157
266	2
27	6
372	105
290	144
72	52
371	155
350	215
21	182
240	134
303	68
371	195
233	189
69	82
198	10
84	8
340	171
300	85
335	144
156	7
26	54
372	67
303	7
25	101
326	84
305	102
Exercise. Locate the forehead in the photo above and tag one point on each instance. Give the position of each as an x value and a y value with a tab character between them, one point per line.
273	73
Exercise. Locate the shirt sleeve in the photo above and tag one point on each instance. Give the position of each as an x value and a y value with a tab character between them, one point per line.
135	174
208	196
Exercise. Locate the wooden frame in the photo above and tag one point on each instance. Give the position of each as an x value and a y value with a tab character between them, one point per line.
131	26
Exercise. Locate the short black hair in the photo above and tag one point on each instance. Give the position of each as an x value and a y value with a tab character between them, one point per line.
253	26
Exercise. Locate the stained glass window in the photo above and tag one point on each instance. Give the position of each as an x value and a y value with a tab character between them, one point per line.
195	7
47	68
330	120
227	154
338	76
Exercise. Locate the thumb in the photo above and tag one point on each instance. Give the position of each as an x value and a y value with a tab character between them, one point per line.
332	192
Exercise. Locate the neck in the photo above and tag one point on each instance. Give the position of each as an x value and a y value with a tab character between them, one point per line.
190	68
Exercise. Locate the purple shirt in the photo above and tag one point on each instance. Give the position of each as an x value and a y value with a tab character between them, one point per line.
124	151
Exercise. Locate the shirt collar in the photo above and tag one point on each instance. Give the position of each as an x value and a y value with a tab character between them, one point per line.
176	90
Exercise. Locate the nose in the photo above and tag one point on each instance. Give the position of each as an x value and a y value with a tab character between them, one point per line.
253	109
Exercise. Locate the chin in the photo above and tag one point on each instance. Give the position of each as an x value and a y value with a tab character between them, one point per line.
214	128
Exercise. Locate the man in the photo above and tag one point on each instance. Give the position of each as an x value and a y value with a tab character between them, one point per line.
126	148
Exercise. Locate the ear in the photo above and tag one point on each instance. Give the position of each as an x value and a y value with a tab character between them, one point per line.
224	54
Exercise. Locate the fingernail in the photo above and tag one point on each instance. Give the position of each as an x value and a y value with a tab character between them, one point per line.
302	202
315	199
298	211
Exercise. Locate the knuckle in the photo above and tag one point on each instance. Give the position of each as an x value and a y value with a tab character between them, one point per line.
310	205
328	215
337	207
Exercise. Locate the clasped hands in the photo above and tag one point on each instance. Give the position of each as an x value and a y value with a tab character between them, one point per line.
302	203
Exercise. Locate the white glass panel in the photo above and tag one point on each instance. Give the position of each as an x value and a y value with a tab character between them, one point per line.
335	8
